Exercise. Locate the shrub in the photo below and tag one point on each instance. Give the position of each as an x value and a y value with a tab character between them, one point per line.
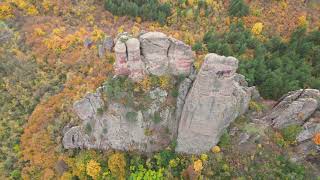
290	133
142	173
255	106
197	46
156	117
238	8
88	128
225	140
131	116
100	111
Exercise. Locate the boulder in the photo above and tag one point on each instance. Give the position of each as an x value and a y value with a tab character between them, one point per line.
108	43
214	101
294	108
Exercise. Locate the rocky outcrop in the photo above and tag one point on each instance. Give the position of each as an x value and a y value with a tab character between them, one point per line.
206	104
153	53
121	127
298	108
294	108
214	101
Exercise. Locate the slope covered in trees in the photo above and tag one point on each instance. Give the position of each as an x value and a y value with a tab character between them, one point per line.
51	59
274	66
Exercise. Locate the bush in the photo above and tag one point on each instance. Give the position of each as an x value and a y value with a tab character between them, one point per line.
88	128
225	140
146	9
131	116
290	133
197	46
238	8
156	117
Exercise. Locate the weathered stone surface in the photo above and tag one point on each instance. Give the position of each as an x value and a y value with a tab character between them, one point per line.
121	62
214	101
308	132
61	167
111	128
294	108
180	57
101	51
183	90
108	43
159	53
154	48
135	64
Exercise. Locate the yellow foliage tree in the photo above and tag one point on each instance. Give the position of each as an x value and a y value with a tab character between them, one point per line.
216	149
197	165
257	28
5	11
302	21
66	176
93	169
117	165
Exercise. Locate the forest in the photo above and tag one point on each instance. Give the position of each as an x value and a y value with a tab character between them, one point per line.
50	57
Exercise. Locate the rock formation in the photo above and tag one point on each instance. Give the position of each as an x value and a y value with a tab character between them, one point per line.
294	108
153	53
206	104
214	101
298	108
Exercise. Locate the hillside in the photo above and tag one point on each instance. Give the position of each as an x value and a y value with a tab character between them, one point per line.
55	55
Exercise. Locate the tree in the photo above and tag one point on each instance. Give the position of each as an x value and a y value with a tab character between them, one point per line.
93	169
238	8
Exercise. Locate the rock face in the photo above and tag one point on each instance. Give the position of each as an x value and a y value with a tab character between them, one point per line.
214	101
114	128
154	48
294	108
153	53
